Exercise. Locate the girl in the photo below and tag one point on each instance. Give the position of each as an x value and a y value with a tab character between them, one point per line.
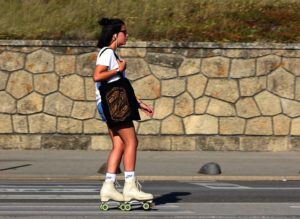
118	107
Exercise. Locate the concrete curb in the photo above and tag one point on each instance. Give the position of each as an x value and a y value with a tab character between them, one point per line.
151	178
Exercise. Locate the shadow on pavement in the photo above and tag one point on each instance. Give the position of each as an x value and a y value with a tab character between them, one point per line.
172	197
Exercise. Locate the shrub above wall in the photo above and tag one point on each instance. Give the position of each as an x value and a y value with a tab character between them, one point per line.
207	96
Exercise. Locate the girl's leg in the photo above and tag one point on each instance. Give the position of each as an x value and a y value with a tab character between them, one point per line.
131	190
108	190
128	135
116	153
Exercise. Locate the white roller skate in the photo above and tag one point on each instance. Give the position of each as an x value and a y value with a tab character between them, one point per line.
134	197
110	197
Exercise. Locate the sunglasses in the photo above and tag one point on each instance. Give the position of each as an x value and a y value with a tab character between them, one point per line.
123	31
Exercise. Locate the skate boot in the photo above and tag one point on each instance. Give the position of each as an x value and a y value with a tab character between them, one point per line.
110	197
134	197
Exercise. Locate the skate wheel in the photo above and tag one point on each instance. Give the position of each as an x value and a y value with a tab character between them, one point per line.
146	206
104	207
127	207
122	207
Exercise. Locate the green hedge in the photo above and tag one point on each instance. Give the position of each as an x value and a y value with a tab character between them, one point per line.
154	20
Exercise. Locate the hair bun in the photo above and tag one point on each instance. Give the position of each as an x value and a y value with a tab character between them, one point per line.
104	21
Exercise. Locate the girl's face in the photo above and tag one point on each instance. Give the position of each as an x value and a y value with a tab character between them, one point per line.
122	36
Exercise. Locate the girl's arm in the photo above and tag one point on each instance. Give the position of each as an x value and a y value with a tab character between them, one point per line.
145	108
102	74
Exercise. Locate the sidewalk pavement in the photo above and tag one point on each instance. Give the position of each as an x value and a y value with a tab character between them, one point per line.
151	165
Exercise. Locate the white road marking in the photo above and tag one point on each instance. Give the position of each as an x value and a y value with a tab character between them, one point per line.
231	186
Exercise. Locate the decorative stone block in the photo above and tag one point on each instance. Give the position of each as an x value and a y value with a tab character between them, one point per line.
172	125
65	64
72	86
295	143
220	108
66	142
39	62
20	142
216	143
149	127
173	87
232	126
282	83
246	108
166	60
154	143
297	94
215	67
133	52
241	68
281	125
42	123
184	105
101	142
268	103
189	67
136	68
84	110
183	143
291	108
46	83
201	105
292	65
20	124
147	87
58	105
90	89
5	124
267	64
163	72
163	107
86	64
201	124
11	61
94	126
259	126
196	85
9	105
3	80
295	130
68	125
33	103
252	86
20	84
262	143
223	89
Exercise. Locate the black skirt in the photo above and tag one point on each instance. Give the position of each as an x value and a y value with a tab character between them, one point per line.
119	102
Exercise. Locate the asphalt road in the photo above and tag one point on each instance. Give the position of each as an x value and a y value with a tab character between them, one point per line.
80	199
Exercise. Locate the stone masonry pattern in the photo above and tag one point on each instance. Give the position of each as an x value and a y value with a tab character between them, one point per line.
205	97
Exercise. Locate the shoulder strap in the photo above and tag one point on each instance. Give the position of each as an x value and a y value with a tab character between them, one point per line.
117	57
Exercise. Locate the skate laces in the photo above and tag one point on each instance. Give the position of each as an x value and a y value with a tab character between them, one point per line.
138	185
117	184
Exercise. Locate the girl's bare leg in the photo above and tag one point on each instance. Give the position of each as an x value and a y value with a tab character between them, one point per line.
116	153
128	136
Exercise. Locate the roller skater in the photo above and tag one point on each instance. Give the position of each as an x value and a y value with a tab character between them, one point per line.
118	107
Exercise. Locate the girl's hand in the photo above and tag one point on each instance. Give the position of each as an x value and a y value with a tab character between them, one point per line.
122	65
146	109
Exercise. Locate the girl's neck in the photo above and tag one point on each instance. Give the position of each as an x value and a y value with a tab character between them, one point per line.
113	45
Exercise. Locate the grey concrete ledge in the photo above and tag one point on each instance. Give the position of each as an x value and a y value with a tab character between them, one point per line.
141	44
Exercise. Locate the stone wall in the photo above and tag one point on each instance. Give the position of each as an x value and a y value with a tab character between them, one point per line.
207	96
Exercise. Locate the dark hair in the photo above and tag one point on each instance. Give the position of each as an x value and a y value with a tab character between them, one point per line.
109	28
